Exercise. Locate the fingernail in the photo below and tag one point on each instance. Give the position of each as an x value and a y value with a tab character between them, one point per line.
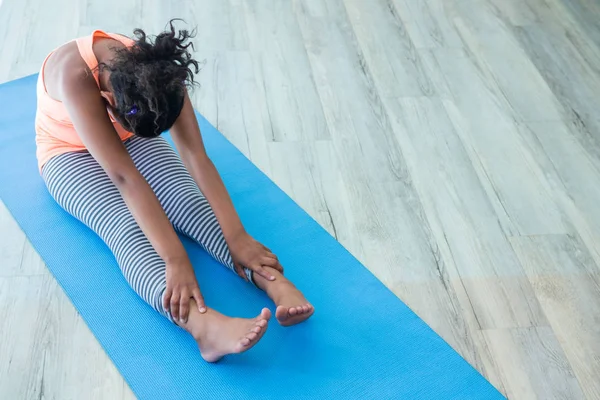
272	278
203	309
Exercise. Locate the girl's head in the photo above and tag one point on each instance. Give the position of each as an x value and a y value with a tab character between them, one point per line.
148	81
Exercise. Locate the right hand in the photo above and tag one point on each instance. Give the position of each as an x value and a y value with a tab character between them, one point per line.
181	287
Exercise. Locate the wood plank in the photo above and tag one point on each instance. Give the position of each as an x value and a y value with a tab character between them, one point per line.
400	249
220	25
309	173
396	241
560	22
567	283
112	16
428	22
17	255
490	135
279	55
462	218
231	114
586	13
205	95
13	27
50	352
570	169
353	110
394	64
516	12
32	50
519	84
532	364
569	75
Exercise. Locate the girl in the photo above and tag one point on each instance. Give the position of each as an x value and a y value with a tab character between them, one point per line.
103	101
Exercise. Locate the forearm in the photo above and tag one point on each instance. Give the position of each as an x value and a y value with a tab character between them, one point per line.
188	140
210	183
150	216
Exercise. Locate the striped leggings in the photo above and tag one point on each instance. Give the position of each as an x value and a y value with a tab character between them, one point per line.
78	183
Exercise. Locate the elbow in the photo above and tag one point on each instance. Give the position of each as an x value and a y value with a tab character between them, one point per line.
121	179
118	179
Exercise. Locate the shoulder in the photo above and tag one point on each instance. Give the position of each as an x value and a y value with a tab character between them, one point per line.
66	72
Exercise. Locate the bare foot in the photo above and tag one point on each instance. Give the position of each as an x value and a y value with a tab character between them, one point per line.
218	335
292	306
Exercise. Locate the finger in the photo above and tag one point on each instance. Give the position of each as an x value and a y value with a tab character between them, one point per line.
240	271
175	305
269	262
272	262
184	305
269	252
263	272
167	299
199	300
278	267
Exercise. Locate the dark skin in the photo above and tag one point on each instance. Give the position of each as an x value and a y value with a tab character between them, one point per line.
69	80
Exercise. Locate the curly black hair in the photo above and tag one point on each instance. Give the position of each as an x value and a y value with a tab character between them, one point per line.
149	80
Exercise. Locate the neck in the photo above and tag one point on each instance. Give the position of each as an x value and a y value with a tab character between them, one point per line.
103	77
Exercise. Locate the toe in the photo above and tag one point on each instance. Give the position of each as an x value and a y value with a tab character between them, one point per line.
292	311
261	323
245	342
251	336
281	313
256	329
265	313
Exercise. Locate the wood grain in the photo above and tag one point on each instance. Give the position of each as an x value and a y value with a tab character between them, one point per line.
453	146
62	359
488	130
280	56
532	364
395	66
467	229
567	283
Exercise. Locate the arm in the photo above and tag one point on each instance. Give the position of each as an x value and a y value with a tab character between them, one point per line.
186	134
90	118
245	250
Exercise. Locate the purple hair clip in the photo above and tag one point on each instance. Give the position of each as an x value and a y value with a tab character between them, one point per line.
133	110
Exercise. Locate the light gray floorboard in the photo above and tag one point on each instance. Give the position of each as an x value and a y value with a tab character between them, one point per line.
453	146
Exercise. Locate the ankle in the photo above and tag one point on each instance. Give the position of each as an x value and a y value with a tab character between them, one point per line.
197	323
264	283
278	288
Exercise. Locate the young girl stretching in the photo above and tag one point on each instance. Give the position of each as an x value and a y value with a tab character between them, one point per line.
103	101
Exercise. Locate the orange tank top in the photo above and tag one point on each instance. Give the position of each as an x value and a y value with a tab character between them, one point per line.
54	130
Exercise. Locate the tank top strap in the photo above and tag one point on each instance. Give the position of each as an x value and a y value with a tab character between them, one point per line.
84	45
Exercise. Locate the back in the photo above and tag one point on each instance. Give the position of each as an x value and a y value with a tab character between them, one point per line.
55	133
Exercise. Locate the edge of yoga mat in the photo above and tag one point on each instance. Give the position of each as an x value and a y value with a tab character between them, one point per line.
362	342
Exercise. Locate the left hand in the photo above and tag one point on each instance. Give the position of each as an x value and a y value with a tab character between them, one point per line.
247	252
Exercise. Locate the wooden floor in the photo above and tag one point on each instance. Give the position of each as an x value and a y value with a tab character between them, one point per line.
453	146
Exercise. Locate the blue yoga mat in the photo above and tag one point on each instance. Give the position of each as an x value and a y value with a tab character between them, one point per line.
362	342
